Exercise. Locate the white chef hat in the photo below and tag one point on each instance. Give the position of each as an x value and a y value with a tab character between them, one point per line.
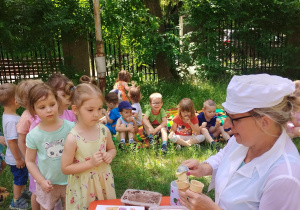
247	92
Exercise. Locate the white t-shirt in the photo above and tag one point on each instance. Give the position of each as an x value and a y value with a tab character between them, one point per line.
9	124
138	110
271	181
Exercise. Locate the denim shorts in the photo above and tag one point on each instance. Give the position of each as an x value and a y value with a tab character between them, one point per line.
20	175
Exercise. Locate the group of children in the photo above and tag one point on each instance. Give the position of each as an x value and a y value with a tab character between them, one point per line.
60	177
123	119
68	152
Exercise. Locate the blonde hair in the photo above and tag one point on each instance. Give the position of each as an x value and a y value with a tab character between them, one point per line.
209	102
280	113
155	95
41	90
84	92
297	88
187	105
135	94
23	89
7	93
124	76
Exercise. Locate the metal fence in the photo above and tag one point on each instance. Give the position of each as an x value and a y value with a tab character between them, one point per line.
250	50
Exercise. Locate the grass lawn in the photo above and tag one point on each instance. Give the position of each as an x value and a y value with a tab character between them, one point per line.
149	169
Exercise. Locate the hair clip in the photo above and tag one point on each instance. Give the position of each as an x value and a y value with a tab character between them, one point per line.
73	88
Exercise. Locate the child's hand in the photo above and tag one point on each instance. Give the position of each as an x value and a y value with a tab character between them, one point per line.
151	131
2	140
20	163
104	112
107	157
204	124
133	83
97	158
186	120
46	186
218	123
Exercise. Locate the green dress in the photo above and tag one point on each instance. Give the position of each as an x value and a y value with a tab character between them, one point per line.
94	184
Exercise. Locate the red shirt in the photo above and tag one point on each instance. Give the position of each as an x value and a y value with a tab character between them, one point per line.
184	129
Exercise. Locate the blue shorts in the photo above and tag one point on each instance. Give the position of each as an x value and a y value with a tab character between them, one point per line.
20	175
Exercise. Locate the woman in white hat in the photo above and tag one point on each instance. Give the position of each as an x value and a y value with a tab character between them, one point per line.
260	166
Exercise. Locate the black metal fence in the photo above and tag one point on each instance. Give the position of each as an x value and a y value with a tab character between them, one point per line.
250	50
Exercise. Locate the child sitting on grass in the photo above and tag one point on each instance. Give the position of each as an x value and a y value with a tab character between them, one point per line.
135	96
185	124
155	121
126	124
13	155
110	120
210	126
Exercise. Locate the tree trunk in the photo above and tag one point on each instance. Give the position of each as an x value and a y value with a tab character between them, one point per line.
163	63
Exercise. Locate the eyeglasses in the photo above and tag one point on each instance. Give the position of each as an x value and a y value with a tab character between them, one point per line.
156	103
238	118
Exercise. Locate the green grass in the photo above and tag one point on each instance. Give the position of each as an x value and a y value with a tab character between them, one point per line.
149	169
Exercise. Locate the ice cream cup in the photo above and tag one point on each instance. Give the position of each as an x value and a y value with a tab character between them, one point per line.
196	186
182	176
182	185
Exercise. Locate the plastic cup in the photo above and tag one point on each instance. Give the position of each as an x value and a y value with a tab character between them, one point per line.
174	196
196	186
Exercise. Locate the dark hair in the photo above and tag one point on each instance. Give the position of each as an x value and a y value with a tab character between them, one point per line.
124	76
87	79
58	81
187	105
112	97
7	93
37	92
135	94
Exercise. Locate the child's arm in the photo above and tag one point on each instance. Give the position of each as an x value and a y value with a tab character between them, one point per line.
34	170
120	128
2	140
22	143
67	160
13	146
110	121
163	124
173	130
147	123
111	151
127	87
195	127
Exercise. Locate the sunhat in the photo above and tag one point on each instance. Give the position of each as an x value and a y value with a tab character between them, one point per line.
247	92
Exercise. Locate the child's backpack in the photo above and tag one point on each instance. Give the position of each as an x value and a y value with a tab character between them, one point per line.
119	93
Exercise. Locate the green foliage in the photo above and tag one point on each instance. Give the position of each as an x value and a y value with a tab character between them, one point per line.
255	24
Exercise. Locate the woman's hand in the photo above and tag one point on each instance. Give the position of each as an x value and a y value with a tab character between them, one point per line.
195	167
196	201
107	158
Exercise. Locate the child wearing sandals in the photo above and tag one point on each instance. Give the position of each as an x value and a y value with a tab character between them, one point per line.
46	143
88	152
185	130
